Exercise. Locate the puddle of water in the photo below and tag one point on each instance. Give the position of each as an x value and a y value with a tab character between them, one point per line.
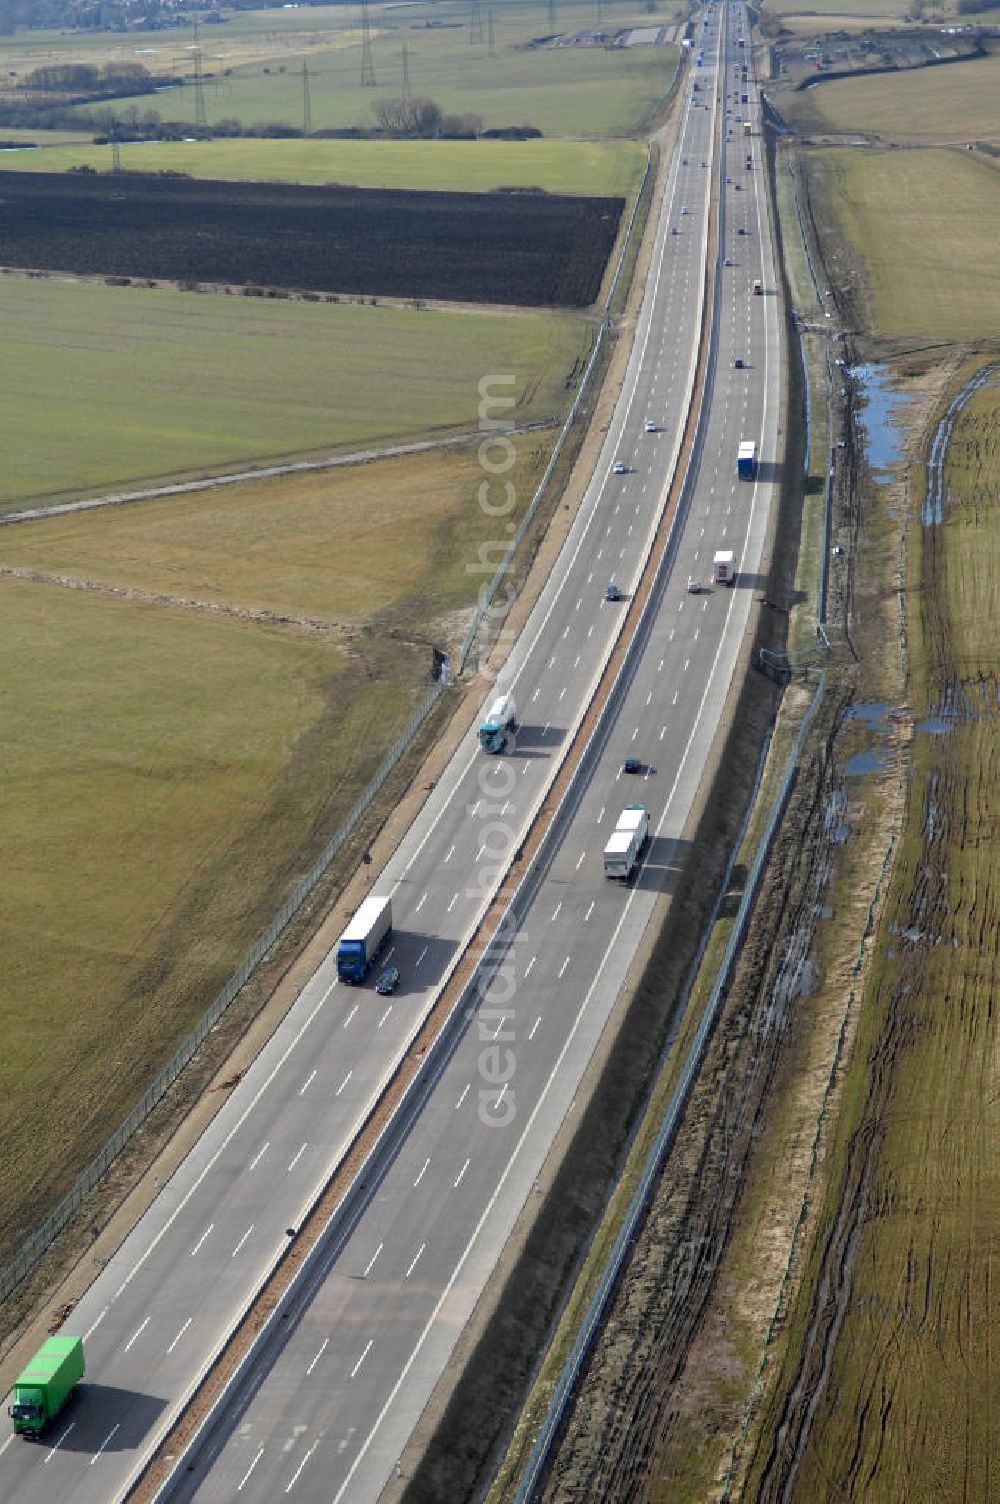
835	825
913	934
882	402
875	714
935	724
863	762
808	977
825	911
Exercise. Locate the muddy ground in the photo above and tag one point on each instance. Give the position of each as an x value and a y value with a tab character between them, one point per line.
885	1389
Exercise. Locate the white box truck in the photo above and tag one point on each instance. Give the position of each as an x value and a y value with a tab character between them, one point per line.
363	938
625	844
724	567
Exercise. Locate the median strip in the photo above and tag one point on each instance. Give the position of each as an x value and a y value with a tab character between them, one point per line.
209	1393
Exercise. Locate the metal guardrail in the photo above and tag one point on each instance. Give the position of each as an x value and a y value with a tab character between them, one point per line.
783	665
489	593
598	1303
35	1246
824	568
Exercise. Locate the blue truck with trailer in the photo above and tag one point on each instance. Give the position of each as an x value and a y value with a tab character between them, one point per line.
363	938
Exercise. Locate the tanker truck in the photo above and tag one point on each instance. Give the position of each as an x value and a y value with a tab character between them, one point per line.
499	720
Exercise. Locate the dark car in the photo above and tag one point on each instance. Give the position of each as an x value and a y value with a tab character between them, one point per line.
388	981
631	765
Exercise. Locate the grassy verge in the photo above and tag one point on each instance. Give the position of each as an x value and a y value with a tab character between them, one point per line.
802	624
960	102
593	168
150	383
925	225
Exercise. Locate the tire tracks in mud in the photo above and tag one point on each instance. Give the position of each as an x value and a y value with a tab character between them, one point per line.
918	1311
926	914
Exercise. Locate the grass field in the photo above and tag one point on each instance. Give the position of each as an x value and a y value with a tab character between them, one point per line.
388	542
959	102
39	138
828	16
169	772
154	382
590	91
163	772
562	92
599	168
286	35
906	1411
925	224
244	36
808	24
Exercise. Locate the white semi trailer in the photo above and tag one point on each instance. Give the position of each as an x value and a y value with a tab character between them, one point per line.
625	844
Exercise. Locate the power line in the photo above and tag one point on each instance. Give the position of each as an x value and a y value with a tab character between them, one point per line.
476	23
491	41
307	114
200	114
405	94
194	67
552	17
367	57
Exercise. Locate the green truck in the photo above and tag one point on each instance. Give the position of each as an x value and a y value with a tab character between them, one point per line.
46	1384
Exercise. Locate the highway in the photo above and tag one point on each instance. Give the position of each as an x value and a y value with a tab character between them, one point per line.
336	1410
334	1414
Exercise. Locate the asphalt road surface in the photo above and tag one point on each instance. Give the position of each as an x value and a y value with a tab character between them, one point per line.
335	1412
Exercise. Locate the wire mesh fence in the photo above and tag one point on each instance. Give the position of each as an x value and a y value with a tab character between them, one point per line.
32	1250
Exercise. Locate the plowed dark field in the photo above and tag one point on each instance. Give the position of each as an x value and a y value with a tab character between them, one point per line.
526	248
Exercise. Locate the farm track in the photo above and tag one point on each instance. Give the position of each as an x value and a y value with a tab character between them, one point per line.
310	624
261	472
